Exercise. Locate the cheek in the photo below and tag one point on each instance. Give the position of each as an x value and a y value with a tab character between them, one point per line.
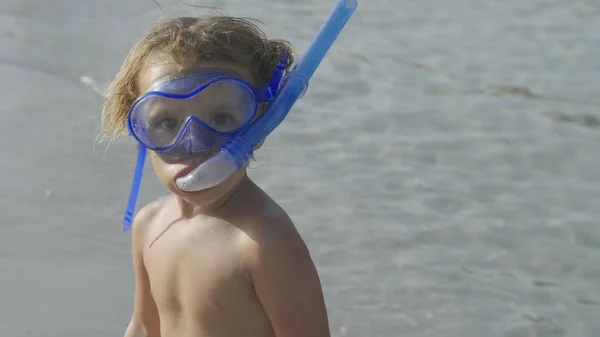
161	169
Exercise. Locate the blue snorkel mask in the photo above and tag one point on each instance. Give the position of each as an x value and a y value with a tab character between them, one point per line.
213	112
198	112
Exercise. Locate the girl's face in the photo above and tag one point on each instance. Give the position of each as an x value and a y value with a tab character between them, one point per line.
168	170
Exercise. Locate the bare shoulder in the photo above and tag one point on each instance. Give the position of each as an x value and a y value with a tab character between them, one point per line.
283	274
145	218
272	242
271	230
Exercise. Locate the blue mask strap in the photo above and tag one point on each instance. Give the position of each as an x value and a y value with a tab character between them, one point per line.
135	188
277	75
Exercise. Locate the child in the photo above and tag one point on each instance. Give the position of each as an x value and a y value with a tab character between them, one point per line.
226	261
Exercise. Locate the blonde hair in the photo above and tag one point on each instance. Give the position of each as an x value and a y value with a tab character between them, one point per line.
192	39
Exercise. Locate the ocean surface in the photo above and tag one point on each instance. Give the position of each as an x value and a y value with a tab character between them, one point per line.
444	167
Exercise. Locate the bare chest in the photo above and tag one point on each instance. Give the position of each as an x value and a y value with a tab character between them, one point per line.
197	272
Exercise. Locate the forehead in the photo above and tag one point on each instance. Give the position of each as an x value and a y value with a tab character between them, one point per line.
158	67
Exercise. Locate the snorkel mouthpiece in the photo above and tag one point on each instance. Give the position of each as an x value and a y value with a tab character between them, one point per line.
238	150
232	156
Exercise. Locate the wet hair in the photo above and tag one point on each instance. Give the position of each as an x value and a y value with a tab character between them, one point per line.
189	40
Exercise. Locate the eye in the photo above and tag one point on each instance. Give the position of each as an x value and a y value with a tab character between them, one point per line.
223	121
169	124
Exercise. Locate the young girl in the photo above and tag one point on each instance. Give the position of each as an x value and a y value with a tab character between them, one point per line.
226	261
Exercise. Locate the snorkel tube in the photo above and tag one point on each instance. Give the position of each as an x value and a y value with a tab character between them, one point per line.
239	149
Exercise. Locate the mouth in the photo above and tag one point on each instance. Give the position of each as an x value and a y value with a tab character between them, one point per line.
188	166
187	169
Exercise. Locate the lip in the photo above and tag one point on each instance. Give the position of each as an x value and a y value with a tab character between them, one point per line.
188	167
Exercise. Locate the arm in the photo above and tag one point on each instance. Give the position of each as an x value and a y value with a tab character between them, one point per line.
287	284
144	322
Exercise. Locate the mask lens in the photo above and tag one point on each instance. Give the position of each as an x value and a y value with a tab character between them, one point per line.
223	105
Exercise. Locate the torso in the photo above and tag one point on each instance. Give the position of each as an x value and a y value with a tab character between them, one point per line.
198	278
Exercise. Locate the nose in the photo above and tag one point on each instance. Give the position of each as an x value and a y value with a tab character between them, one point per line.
197	137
